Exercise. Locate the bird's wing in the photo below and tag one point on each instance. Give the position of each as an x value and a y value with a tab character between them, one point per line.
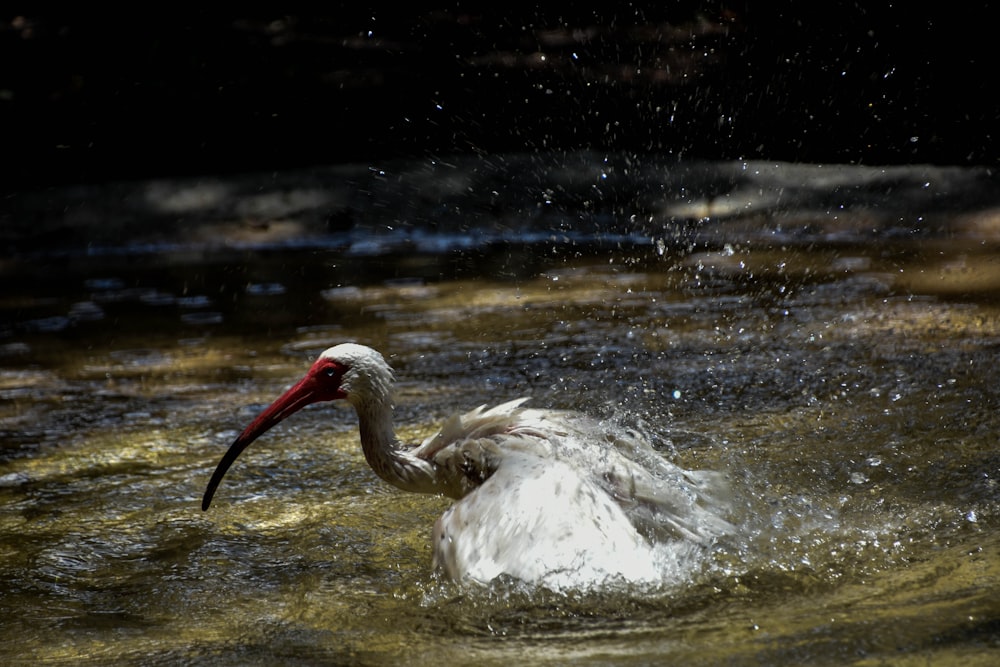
468	447
478	423
663	499
539	520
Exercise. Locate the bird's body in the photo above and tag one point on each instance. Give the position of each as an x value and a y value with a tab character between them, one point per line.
546	497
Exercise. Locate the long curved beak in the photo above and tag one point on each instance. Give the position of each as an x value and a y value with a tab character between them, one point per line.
305	392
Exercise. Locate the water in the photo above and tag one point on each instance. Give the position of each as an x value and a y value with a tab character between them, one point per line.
835	362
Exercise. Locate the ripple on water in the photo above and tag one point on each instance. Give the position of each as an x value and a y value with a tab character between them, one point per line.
194	301
153	297
14	479
265	289
53	324
141	357
104	284
202	318
86	311
16	349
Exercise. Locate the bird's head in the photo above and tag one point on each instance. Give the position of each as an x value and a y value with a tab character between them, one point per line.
361	374
349	371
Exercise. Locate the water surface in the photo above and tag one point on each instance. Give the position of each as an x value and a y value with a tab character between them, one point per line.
828	342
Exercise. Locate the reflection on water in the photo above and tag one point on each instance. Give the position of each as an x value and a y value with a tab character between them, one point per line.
845	389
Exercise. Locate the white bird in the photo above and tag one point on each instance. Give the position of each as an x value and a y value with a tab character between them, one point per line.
552	498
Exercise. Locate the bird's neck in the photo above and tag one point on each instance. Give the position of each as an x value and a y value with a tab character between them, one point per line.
387	455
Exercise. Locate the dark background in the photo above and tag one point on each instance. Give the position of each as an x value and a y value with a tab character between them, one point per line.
88	96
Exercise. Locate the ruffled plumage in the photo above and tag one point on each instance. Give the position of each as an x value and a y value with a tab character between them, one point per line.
548	497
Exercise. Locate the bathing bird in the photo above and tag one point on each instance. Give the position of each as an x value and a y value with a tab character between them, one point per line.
547	497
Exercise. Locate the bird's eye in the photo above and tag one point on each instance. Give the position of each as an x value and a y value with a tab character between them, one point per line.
329	369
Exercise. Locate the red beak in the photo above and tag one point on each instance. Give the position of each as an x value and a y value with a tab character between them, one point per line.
317	385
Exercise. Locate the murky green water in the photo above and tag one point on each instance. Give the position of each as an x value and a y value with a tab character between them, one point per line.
847	389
